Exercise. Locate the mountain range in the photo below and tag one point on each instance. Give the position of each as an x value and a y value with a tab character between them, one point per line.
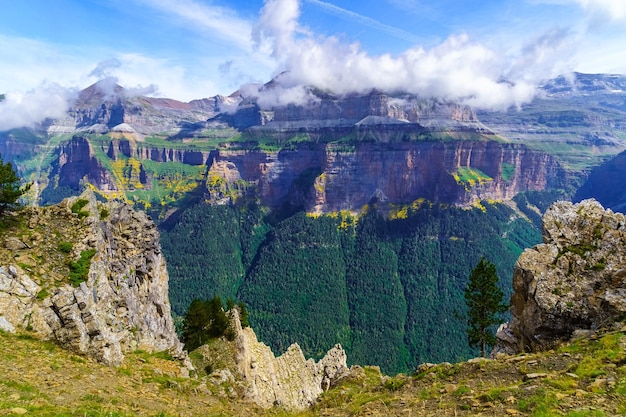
348	148
323	210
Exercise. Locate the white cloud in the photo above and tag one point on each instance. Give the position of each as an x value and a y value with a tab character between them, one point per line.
545	56
219	21
457	69
154	76
27	109
26	63
276	28
104	68
602	10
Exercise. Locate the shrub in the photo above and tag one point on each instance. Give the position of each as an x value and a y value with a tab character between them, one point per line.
65	247
41	295
79	269
77	207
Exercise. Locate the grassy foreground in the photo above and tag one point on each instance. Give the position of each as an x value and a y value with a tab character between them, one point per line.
585	378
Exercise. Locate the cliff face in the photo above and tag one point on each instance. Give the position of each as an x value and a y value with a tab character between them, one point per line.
573	282
606	184
103	106
76	163
114	165
117	149
327	178
321	177
120	304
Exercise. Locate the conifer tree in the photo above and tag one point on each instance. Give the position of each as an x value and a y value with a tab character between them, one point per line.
484	303
10	189
204	320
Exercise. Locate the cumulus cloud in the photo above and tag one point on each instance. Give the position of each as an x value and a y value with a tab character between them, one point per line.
276	27
132	70
457	69
105	68
27	109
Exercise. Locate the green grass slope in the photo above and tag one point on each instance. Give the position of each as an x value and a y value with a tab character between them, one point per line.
585	378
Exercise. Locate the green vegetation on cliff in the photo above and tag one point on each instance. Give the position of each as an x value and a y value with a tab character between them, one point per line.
386	289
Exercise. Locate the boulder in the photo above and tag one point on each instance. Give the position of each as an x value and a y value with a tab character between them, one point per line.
574	281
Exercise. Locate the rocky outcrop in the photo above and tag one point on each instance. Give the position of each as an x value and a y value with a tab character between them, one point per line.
289	380
76	164
572	283
120	305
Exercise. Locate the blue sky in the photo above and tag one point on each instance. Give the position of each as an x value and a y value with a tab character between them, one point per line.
188	49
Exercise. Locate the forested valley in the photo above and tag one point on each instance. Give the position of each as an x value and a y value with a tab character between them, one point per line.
388	288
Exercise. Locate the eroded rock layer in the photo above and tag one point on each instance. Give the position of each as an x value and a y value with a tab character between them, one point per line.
324	178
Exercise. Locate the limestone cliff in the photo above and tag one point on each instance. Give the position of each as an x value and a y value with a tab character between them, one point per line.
288	380
107	107
117	302
575	281
329	177
321	177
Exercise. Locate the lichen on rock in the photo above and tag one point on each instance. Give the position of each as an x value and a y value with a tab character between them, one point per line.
122	304
574	281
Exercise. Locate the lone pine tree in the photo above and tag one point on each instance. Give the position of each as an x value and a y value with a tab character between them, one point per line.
484	304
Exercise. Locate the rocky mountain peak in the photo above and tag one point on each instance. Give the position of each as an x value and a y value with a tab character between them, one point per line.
99	92
572	283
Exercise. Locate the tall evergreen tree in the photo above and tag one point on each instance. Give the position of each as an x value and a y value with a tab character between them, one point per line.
484	303
10	189
204	320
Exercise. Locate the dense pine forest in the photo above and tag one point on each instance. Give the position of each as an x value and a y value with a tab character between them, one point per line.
389	289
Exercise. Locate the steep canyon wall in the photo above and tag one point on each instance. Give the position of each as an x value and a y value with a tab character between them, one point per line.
324	177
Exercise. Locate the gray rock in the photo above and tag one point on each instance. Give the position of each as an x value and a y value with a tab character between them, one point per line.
6	325
289	380
573	283
123	305
13	243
